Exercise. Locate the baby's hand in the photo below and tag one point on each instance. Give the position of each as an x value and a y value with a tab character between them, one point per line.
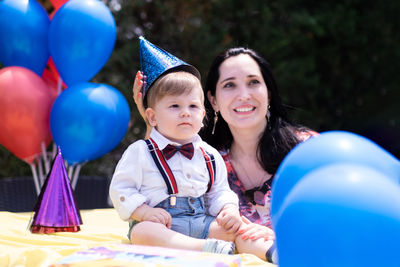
229	218
158	215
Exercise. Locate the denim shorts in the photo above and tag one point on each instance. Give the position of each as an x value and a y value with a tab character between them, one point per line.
188	216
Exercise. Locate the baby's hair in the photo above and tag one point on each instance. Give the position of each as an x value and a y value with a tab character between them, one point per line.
173	83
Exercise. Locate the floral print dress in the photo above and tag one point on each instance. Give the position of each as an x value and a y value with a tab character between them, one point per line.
255	204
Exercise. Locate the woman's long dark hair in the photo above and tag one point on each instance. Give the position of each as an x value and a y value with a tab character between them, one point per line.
279	136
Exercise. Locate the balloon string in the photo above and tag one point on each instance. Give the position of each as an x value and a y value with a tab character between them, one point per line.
41	174
54	152
59	84
70	171
76	176
45	158
35	178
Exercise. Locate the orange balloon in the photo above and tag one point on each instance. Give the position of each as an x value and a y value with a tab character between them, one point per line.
25	105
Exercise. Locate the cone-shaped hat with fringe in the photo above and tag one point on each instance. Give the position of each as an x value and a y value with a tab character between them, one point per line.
56	209
154	62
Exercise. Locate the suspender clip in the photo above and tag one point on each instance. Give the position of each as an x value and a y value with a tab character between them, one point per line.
172	200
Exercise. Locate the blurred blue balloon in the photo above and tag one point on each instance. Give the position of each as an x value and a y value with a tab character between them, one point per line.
81	39
328	148
24	27
88	120
340	215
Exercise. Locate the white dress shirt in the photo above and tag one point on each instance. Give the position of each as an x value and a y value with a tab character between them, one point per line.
137	180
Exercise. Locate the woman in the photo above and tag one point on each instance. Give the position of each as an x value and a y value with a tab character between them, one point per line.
251	128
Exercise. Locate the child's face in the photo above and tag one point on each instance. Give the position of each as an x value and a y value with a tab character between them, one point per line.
178	117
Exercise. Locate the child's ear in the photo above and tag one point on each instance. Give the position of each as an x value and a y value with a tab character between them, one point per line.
151	116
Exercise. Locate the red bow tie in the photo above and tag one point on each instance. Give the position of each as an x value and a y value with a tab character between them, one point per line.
187	150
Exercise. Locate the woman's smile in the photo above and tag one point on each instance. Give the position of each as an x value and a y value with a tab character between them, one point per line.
244	109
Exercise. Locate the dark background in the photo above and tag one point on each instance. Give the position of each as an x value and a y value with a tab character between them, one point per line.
336	62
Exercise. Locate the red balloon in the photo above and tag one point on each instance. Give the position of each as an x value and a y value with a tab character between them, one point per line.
25	105
51	82
51	77
58	3
52	14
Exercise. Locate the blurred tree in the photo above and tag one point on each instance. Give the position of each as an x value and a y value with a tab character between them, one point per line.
336	62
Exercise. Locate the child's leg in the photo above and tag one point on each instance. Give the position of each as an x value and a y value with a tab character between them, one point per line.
190	227
156	234
257	247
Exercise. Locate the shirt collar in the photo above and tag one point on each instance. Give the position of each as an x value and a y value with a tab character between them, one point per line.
162	141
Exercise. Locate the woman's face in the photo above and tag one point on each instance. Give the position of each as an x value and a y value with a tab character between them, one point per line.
241	93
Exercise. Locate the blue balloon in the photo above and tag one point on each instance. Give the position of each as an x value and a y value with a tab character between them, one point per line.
120	107
24	27
88	120
340	215
328	148
81	39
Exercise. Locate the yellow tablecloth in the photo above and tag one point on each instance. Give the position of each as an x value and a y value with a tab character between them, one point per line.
101	227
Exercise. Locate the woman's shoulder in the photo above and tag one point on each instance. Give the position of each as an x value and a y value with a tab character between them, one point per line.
224	152
304	135
209	148
225	155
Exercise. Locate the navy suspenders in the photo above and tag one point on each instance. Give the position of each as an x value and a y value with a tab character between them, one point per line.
166	172
210	163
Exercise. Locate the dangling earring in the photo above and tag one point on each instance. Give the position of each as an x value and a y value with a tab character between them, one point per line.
268	117
215	121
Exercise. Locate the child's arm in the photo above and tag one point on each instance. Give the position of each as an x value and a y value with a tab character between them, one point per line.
146	213
220	193
229	218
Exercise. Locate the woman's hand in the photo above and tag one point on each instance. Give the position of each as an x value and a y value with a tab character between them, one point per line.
254	231
229	218
137	90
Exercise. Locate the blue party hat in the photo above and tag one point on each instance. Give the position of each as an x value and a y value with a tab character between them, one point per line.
154	62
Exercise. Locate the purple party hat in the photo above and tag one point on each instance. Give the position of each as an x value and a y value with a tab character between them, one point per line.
56	209
155	62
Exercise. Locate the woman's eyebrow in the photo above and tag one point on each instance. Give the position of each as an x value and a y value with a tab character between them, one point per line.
227	79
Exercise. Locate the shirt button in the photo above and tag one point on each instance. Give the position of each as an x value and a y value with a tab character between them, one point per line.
188	175
122	199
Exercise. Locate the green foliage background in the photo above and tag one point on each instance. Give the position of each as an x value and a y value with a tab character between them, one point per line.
336	62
